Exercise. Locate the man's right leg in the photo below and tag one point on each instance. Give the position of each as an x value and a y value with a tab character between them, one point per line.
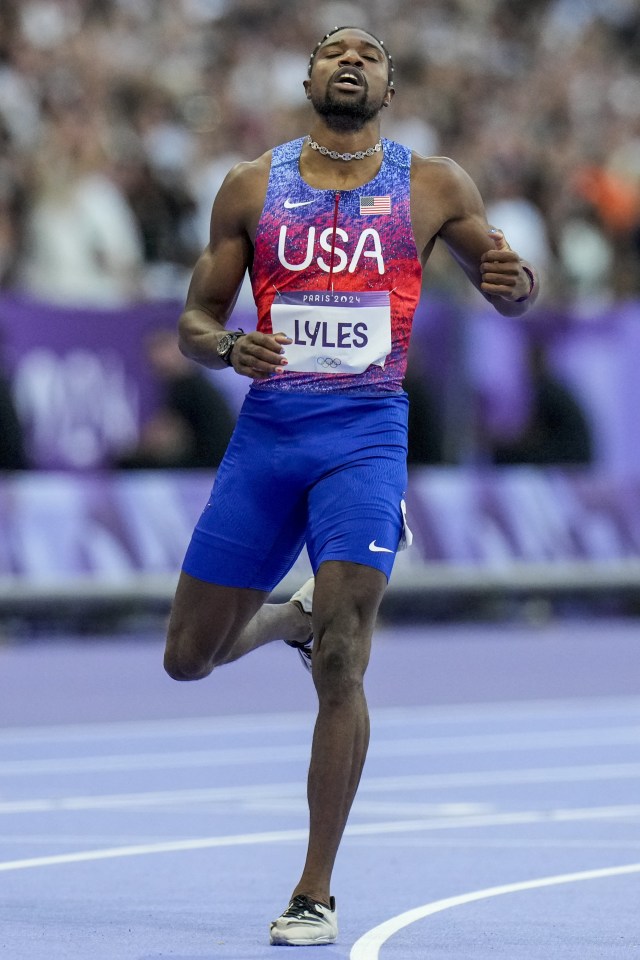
346	601
212	624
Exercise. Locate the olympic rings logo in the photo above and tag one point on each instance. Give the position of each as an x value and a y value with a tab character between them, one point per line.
328	361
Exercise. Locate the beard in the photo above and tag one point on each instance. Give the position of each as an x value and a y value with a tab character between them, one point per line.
345	114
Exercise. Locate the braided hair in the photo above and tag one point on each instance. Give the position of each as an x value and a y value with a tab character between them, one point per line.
388	56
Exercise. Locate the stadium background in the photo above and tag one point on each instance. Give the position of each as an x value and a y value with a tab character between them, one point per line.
118	121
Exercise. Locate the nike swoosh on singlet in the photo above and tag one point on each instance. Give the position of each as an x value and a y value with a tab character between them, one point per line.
290	204
376	549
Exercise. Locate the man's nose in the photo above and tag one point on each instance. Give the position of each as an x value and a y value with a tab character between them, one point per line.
351	57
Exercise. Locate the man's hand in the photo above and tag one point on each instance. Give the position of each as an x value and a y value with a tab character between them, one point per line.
259	355
502	272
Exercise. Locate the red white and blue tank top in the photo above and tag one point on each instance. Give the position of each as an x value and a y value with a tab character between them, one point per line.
339	272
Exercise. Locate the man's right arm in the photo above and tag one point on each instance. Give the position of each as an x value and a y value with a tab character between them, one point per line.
217	278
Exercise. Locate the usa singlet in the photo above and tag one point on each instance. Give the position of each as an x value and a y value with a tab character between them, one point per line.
339	273
318	456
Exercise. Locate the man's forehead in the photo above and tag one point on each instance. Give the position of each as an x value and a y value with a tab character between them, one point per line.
349	36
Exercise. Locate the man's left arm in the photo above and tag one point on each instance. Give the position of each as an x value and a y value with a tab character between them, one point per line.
507	281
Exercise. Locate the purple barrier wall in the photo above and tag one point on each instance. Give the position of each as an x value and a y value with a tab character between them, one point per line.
60	526
80	378
596	355
83	386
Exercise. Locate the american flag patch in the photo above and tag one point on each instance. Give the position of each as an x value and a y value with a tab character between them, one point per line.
375	205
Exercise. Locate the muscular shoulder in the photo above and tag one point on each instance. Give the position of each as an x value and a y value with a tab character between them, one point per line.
441	191
249	174
241	196
443	181
433	167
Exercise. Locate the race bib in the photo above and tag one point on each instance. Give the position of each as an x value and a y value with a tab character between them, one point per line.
334	332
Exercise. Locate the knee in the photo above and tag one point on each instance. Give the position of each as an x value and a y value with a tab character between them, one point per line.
339	664
181	667
183	659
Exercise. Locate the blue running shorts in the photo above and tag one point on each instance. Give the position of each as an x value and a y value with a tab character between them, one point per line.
322	468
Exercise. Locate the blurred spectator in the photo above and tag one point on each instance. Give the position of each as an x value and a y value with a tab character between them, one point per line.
512	208
165	215
12	446
586	257
82	244
556	431
192	425
11	208
425	441
119	118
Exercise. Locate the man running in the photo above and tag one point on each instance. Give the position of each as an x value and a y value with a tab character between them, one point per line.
334	229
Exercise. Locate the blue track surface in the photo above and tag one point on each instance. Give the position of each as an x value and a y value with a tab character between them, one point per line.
498	815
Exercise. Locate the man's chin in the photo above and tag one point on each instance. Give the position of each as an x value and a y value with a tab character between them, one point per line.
346	113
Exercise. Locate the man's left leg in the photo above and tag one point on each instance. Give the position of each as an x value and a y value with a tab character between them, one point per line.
345	607
211	625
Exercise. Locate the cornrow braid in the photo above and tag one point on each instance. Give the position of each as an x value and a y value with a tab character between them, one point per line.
388	56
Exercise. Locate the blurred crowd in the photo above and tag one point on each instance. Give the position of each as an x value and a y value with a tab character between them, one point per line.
119	119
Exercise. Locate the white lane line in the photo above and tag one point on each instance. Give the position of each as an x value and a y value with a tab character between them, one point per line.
408	747
487	778
168	760
353	830
591	707
368	946
466	843
77	840
142	849
158	798
159	729
395	842
297	790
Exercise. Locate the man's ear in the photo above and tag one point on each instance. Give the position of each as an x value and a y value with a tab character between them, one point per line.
305	84
390	94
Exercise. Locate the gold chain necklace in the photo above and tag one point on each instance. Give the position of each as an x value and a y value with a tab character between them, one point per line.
334	155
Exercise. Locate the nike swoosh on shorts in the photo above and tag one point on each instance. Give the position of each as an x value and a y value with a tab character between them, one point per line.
291	204
376	549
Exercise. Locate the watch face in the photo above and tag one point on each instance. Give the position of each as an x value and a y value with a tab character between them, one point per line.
225	343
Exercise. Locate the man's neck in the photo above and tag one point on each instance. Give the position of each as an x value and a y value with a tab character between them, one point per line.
345	141
325	172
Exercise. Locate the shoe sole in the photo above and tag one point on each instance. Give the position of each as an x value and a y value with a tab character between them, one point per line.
281	942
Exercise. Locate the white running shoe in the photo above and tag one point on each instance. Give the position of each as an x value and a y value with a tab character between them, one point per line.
303	599
304	596
305	922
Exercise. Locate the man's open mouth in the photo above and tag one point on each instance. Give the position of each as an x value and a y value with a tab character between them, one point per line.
349	77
